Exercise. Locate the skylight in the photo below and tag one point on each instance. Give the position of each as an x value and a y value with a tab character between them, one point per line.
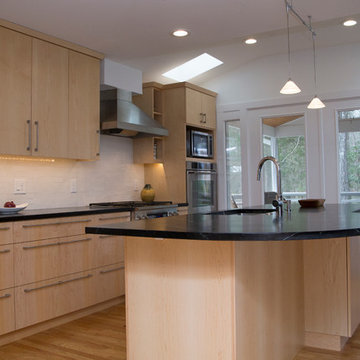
193	67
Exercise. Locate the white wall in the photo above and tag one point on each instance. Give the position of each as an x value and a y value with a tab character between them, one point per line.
252	92
112	178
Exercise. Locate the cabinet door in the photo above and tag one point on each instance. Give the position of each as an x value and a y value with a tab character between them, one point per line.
15	92
49	99
194	113
209	109
84	106
6	230
6	266
7	313
110	282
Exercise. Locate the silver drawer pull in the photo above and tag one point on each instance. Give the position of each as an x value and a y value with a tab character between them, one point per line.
55	244
5	251
111	270
5	296
61	282
56	223
4	228
115	217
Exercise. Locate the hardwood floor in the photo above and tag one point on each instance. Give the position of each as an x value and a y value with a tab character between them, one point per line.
101	336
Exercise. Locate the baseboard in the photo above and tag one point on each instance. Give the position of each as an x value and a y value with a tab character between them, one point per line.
325	341
34	329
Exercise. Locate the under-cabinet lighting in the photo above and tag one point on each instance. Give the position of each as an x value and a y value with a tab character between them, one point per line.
21	158
193	67
350	22
180	33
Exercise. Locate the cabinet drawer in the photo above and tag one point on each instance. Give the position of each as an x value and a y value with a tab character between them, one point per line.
50	228
46	259
7	314
6	231
6	266
45	300
110	282
113	218
109	249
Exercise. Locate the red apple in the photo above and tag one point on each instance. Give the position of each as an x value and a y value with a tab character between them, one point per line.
9	204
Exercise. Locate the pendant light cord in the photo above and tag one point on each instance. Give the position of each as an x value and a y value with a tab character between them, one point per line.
313	39
288	37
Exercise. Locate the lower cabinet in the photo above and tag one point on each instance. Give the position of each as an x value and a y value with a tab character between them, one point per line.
7	311
51	267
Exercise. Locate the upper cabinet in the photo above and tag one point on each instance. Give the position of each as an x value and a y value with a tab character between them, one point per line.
49	97
15	93
200	108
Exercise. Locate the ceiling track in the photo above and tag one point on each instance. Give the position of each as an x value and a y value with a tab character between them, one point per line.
290	8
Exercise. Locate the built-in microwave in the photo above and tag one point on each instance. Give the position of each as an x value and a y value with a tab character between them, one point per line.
199	144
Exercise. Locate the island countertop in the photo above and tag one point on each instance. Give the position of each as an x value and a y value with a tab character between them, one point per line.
330	221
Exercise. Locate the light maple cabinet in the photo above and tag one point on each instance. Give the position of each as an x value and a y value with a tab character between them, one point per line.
84	106
332	286
6	266
15	92
6	233
49	98
200	109
7	311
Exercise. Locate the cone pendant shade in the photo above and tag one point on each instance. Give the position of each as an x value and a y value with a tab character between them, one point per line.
316	103
290	88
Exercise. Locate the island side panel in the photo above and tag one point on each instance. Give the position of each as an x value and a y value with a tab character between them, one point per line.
180	299
269	300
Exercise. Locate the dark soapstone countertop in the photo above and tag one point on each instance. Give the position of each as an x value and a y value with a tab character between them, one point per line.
59	212
332	220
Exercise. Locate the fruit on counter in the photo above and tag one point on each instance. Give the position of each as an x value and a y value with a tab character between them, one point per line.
9	204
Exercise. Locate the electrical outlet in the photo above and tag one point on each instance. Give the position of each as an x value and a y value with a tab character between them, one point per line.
73	186
19	186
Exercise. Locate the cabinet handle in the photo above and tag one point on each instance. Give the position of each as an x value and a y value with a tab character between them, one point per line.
56	223
61	282
5	251
54	244
5	296
115	217
4	228
37	136
29	135
204	118
111	270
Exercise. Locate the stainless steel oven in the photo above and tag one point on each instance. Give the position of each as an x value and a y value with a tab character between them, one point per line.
201	186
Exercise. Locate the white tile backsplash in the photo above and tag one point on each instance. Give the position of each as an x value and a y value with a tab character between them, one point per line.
48	185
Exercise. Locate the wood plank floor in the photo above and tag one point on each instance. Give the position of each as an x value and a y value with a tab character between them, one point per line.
101	336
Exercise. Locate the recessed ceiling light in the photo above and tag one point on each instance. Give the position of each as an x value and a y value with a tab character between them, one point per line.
350	22
250	41
193	67
180	33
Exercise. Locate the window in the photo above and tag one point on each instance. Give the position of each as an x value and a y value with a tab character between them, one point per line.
283	138
349	155
233	163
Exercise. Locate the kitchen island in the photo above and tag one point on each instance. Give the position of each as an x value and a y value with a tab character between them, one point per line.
238	286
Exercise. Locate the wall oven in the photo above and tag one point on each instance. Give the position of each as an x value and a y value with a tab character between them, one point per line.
201	186
199	144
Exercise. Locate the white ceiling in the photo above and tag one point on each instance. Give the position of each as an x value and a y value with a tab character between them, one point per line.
137	32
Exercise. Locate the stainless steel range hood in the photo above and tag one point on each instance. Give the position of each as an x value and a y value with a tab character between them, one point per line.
120	117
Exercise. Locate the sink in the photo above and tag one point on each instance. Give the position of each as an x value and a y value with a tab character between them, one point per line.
245	211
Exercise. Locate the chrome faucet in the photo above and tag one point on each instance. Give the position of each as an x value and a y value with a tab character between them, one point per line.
279	201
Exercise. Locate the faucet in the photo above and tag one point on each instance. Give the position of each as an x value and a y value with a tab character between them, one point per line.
279	200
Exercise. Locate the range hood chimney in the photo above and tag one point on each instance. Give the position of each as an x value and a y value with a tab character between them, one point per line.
120	117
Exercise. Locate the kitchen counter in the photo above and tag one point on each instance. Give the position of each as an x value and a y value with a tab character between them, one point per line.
59	212
331	221
238	293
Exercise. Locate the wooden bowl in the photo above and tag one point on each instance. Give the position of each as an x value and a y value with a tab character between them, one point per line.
311	203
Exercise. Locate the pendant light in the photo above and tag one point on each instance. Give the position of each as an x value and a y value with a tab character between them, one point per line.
290	87
315	103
